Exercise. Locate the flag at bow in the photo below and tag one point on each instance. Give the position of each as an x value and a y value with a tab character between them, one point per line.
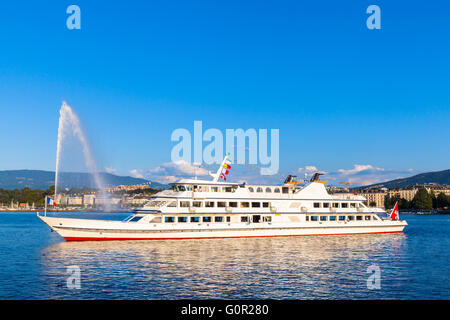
49	201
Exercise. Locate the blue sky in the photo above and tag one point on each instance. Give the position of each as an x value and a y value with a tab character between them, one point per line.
347	100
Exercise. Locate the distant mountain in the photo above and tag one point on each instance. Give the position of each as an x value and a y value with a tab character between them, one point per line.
38	179
440	177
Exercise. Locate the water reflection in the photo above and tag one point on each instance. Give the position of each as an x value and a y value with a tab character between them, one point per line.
330	267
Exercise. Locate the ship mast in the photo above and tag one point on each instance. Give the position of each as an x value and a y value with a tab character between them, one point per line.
219	171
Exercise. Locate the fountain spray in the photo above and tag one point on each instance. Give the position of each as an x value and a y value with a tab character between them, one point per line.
69	122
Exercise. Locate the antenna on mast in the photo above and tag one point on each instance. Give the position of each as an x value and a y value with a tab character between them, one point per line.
195	164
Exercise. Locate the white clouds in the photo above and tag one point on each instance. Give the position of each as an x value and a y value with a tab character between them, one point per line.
180	167
358	174
359	168
136	174
366	174
170	172
308	169
111	170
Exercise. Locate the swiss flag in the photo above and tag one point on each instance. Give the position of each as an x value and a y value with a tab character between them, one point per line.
394	213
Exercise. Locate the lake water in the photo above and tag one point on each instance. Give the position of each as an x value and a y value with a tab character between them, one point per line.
413	265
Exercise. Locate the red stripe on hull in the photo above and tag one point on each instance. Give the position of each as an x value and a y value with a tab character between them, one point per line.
191	238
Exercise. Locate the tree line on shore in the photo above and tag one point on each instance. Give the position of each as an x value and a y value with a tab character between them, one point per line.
25	195
423	200
37	196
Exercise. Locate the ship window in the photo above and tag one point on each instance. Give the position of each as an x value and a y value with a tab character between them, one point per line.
335	204
367	217
251	189
181	188
332	218
169	219
344	205
259	189
285	189
135	219
214	189
316	204
277	190
155	220
228	219
195	219
326	204
221	204
256	204
341	218
313	218
197	204
245	205
268	190
157	204
265	204
228	189
267	219
358	217
351	218
184	204
182	219
352	205
172	204
232	204
323	218
307	218
209	204
218	219
244	219
256	219
206	219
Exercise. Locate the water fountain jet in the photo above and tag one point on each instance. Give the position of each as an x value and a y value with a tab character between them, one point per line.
70	123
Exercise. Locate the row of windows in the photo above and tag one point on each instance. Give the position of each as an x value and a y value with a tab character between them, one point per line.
202	188
196	219
335	205
339	218
197	188
243	204
224	204
254	219
218	219
268	190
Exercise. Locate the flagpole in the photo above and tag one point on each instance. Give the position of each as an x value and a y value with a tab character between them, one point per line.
45	212
217	175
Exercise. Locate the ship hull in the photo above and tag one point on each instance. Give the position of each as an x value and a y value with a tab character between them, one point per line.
100	230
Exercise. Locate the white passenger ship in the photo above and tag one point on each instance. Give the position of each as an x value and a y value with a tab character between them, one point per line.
202	209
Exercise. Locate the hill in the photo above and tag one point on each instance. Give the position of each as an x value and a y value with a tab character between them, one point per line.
439	177
39	179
